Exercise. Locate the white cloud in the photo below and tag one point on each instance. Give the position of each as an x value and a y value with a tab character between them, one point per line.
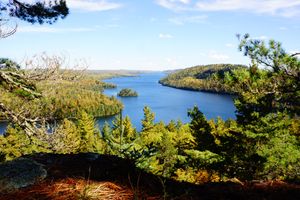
165	36
189	19
175	5
285	8
218	56
185	1
42	29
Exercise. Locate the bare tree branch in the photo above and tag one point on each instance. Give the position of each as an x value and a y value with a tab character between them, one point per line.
45	67
295	54
27	124
7	29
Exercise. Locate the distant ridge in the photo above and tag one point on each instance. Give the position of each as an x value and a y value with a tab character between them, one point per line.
202	78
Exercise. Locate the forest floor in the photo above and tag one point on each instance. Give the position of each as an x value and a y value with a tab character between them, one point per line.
92	176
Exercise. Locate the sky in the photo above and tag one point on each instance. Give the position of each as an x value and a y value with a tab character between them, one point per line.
156	34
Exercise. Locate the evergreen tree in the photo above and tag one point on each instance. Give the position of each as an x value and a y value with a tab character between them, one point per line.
148	121
269	90
106	131
166	155
15	143
172	127
201	130
122	137
67	138
129	133
38	12
88	133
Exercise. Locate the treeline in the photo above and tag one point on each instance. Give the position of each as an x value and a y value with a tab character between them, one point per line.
65	99
202	78
199	152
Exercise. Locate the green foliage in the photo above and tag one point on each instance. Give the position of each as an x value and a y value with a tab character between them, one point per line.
269	90
121	137
15	143
68	99
67	138
196	176
63	99
90	136
203	78
264	142
127	92
167	155
8	64
277	145
148	121
201	130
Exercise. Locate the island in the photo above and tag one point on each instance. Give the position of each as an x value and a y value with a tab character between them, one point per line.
127	92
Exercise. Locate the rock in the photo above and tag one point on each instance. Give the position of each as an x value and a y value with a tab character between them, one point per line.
20	173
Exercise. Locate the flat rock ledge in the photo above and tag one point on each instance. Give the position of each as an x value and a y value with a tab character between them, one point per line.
20	173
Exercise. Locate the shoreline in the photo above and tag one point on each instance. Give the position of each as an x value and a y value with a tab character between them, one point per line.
194	89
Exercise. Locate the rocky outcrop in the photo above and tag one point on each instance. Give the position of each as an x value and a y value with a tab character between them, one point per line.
20	173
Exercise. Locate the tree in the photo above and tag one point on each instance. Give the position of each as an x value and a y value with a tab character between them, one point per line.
268	107
88	133
21	85
148	121
66	138
201	130
15	143
14	80
275	88
8	64
38	12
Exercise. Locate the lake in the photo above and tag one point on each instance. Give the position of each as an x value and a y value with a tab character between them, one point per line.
167	103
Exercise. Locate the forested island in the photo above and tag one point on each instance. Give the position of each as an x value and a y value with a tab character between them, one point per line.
256	156
209	78
127	92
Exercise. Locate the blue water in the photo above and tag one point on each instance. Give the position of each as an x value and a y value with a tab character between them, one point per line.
167	103
3	126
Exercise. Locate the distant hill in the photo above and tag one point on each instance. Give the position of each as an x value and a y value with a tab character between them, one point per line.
202	78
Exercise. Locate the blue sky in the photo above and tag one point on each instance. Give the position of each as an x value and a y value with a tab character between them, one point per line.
157	34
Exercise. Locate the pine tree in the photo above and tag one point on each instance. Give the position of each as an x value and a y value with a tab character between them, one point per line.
15	143
148	121
130	132
167	155
172	126
66	138
88	133
201	130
